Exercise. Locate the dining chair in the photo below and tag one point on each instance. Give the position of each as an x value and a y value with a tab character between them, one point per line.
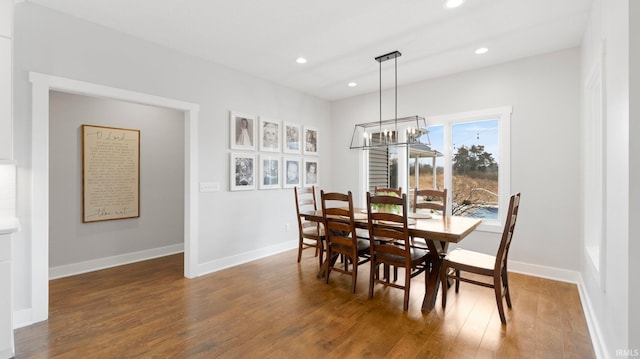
433	199
386	191
311	234
461	260
340	232
390	246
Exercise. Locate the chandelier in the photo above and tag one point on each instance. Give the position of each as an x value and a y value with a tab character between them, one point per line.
405	131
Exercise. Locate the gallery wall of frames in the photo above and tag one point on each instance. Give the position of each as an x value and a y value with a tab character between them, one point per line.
268	153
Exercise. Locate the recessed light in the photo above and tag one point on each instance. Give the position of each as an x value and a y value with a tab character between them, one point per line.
482	50
352	84
450	4
301	60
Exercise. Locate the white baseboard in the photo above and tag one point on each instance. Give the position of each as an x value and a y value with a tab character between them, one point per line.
223	263
599	345
6	353
535	270
108	262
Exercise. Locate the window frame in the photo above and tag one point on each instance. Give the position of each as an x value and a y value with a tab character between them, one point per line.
503	115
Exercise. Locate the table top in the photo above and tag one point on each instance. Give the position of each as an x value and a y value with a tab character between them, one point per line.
448	229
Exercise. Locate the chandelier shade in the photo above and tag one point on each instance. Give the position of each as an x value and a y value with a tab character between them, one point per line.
405	131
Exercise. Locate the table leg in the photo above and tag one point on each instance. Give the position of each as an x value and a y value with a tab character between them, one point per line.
325	265
433	283
432	276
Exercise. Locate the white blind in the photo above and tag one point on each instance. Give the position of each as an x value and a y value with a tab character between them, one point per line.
378	168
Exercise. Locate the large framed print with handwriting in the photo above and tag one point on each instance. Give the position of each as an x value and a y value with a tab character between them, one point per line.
110	173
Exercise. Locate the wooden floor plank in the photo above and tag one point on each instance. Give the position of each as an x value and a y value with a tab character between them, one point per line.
277	308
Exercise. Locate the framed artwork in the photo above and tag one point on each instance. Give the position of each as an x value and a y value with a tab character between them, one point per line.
270	172
269	135
292	172
243	167
243	131
110	173
292	135
310	172
310	141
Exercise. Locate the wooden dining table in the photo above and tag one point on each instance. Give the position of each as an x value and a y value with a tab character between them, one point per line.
437	232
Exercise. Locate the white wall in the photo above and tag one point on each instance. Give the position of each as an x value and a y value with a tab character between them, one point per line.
161	182
543	91
6	42
231	223
609	23
6	152
634	174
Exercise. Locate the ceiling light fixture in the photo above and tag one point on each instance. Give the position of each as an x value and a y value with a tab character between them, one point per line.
301	60
450	4
352	84
406	131
482	50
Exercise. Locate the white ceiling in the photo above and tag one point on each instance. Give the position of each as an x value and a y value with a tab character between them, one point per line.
341	38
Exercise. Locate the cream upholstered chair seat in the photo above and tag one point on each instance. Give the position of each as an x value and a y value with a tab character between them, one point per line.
471	258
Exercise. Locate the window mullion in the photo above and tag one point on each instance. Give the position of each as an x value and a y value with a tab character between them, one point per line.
448	163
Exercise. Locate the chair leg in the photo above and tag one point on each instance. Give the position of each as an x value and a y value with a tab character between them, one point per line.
505	282
321	250
373	273
498	290
332	260
407	287
299	249
354	274
385	270
457	280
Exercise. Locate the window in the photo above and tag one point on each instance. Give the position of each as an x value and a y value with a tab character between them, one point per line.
473	165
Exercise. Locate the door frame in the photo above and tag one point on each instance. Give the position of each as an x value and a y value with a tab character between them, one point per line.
41	86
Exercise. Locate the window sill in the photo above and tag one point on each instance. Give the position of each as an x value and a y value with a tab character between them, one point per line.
490	226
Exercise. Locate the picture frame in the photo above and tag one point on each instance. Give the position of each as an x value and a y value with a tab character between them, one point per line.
270	136
311	174
292	172
242	131
292	138
270	172
243	170
110	173
310	140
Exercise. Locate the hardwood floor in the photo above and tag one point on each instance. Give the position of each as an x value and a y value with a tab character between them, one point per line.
276	308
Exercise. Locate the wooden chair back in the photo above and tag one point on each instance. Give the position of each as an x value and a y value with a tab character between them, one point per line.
305	201
507	233
389	229
310	234
337	209
341	236
433	199
383	190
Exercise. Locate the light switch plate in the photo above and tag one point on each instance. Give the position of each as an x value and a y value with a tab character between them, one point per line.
209	186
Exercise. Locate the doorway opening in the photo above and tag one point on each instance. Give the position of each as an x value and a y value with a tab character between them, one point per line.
41	86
